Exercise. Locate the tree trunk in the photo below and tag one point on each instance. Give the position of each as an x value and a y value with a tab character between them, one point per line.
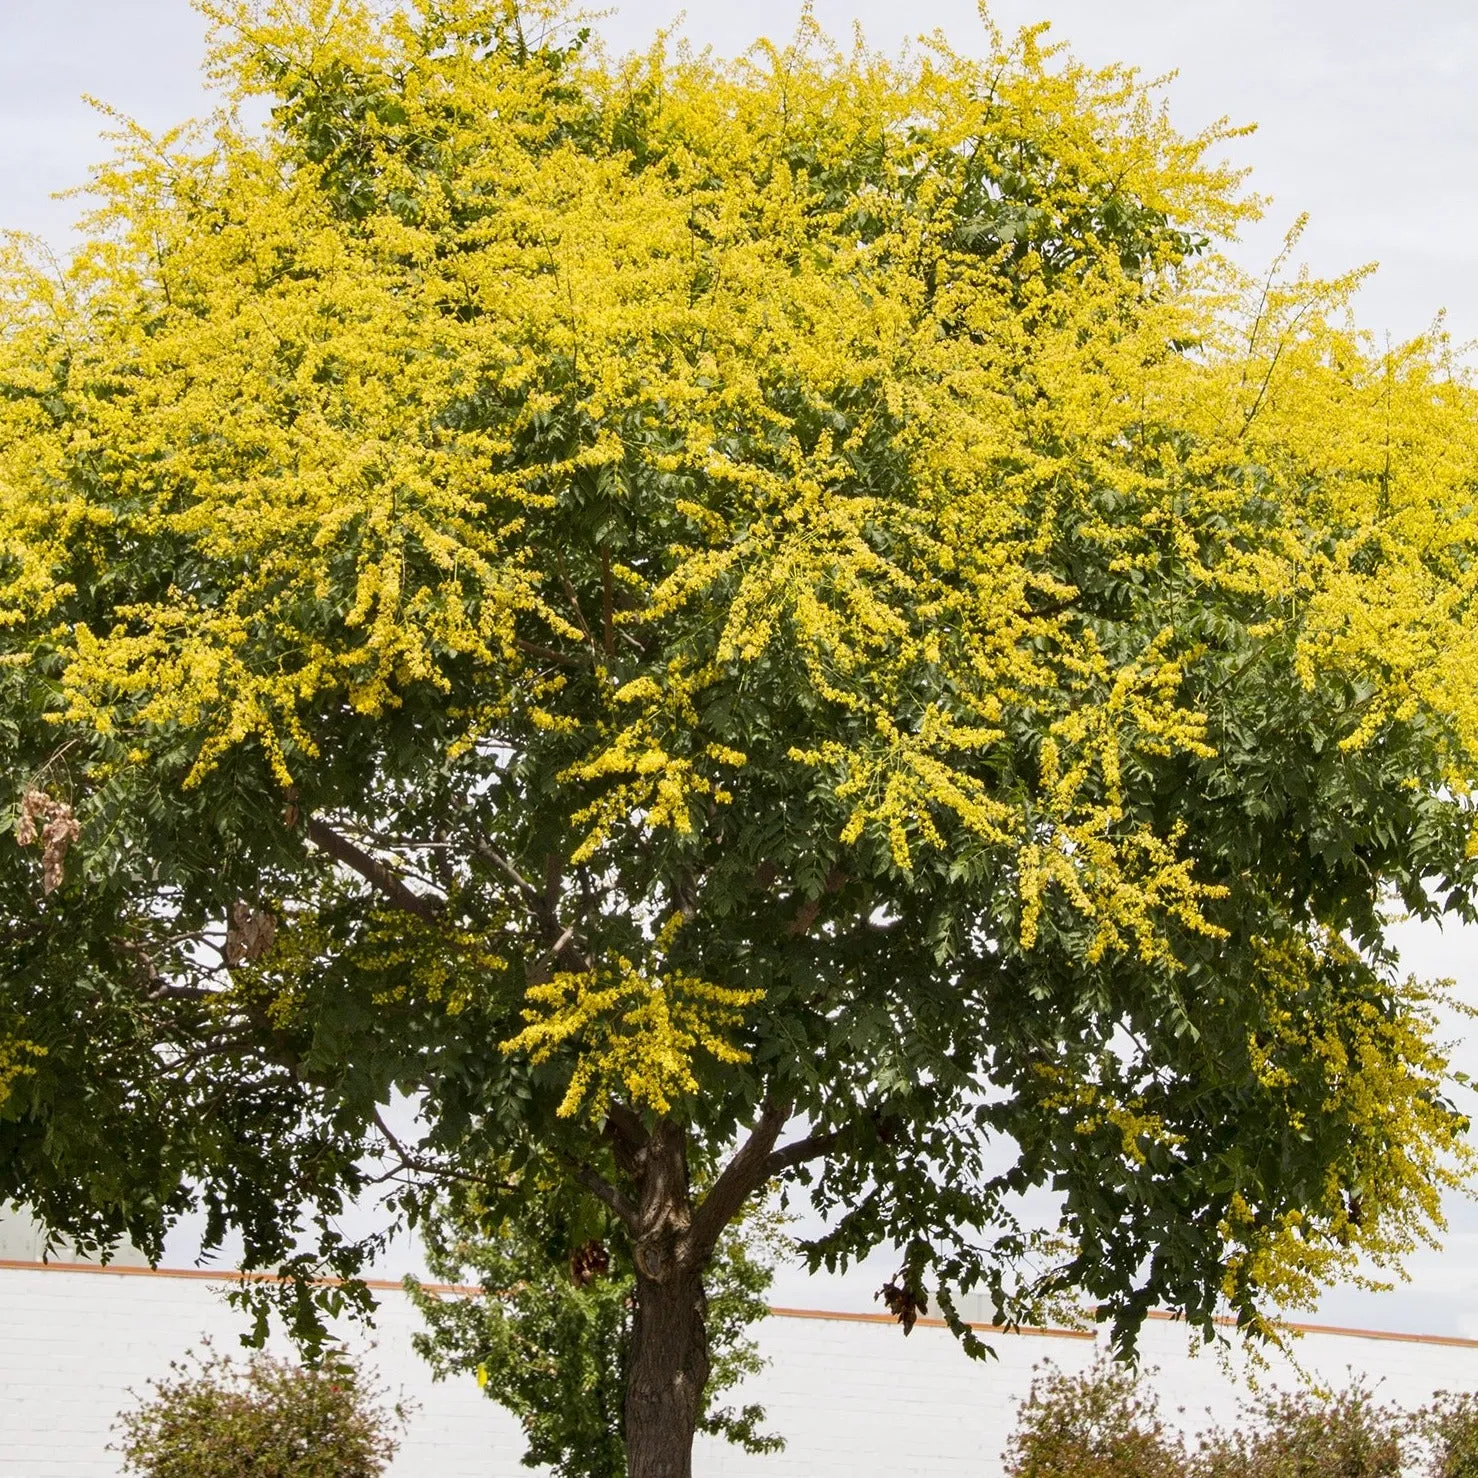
668	1371
671	1247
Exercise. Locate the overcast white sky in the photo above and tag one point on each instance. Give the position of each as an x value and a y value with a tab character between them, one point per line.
1367	118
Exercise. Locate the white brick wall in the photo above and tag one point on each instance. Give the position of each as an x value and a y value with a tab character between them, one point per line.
852	1396
72	1345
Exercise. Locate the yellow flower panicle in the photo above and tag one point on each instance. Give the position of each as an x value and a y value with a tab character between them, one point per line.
17	1060
630	1033
1378	1075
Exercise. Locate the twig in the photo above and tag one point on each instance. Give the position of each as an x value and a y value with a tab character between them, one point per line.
608	606
603	1191
421	1166
541	906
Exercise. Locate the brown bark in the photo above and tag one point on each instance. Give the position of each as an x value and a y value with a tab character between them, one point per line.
669	1369
669	1338
672	1244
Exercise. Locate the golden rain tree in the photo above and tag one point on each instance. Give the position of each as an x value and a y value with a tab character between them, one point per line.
721	623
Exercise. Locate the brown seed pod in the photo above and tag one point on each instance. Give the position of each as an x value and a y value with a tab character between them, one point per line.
52	823
904	1303
588	1263
249	934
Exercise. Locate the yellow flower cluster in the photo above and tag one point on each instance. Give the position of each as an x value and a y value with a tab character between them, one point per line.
631	1033
1379	1076
1092	1107
14	1063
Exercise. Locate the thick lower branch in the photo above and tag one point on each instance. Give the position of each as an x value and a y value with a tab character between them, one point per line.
372	870
604	1192
741	1177
811	1148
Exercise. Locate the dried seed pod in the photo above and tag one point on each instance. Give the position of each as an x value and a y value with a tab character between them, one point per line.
249	934
35	808
904	1303
61	830
588	1263
52	823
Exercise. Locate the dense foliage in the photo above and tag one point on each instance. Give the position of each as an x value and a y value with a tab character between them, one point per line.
639	603
1101	1424
1304	1434
548	1335
1105	1423
211	1418
1449	1427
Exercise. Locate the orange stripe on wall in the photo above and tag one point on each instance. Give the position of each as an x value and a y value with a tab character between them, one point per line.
868	1318
383	1285
213	1275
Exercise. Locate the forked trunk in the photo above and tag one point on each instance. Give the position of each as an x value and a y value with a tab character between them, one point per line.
668	1371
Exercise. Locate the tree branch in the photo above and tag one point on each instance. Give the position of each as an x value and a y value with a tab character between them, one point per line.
574	601
180	993
604	1191
607	604
627	1137
489	853
1045	613
372	870
810	908
415	1163
547	653
562	940
625	1126
804	918
811	1148
743	1175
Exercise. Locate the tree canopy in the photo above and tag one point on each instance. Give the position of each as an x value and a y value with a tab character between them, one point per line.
642	602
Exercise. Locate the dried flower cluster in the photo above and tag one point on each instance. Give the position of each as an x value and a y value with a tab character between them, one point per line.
51	822
250	933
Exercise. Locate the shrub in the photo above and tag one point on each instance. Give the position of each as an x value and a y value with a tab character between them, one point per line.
1450	1429
1100	1424
1105	1424
214	1418
1307	1435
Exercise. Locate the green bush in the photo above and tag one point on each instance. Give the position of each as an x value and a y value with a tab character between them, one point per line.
1101	1424
1449	1427
1105	1424
1302	1434
214	1418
